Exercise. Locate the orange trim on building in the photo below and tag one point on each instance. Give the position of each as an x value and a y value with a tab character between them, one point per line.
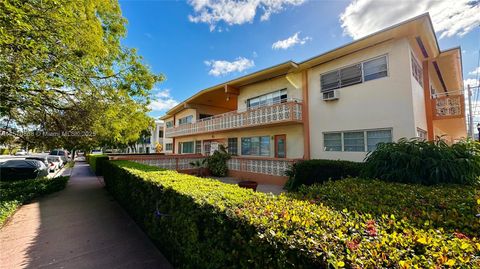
305	116
428	101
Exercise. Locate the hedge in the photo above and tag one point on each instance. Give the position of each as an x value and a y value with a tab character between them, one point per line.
15	193
425	162
203	223
450	207
95	162
318	171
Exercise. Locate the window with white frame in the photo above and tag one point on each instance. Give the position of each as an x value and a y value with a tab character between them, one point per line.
354	74
169	124
168	146
256	146
198	147
233	145
275	97
356	141
185	120
421	134
417	70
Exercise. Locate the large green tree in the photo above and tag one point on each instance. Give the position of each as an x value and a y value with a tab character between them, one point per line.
62	62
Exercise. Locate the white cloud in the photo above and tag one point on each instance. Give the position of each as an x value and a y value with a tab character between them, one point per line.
289	42
221	67
234	12
363	17
475	72
161	100
470	81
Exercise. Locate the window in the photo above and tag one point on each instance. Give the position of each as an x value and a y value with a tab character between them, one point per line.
353	141
332	142
198	147
376	68
275	97
378	136
421	134
233	146
186	147
417	71
351	75
169	124
204	116
185	120
168	146
256	146
356	141
160	133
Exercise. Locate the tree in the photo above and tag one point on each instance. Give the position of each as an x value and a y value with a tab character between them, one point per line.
62	66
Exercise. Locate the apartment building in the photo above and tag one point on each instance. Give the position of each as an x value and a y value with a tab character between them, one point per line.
392	84
149	143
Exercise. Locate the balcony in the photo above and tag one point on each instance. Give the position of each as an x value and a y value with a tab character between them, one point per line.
290	111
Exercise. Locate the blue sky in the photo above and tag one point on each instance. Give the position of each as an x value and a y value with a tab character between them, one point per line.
201	43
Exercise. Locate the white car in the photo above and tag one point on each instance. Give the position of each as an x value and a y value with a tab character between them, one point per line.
21	152
56	161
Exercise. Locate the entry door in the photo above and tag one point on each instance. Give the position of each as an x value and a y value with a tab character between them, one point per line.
280	146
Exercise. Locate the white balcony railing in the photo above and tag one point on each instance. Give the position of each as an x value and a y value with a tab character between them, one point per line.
268	166
270	114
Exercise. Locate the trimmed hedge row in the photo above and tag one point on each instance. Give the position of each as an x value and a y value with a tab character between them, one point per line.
96	162
450	207
318	171
203	223
15	193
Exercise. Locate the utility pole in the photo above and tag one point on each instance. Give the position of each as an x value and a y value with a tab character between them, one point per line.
470	113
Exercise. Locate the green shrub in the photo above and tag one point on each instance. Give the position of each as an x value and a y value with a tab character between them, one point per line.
422	162
15	193
451	207
203	223
217	163
95	161
318	171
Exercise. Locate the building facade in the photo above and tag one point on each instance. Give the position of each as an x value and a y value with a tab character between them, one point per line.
149	143
393	84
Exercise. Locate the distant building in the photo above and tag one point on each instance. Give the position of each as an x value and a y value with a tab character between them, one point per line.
149	144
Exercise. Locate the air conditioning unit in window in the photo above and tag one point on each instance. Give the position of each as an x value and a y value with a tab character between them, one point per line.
330	95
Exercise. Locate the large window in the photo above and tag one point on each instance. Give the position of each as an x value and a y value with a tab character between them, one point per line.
256	146
169	124
186	147
354	74
168	146
275	97
185	120
233	146
359	141
417	70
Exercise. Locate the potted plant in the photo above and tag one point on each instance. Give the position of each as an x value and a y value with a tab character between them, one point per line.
200	166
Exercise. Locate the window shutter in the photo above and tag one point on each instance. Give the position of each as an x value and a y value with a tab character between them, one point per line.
351	75
330	81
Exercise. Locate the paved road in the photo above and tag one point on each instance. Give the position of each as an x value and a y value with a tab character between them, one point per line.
79	227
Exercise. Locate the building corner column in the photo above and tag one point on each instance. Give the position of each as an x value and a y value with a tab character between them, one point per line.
428	101
305	116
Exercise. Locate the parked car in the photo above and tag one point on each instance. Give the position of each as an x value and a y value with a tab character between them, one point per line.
43	159
96	151
62	153
57	160
22	170
21	152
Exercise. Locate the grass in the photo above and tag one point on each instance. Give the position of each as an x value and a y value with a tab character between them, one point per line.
16	193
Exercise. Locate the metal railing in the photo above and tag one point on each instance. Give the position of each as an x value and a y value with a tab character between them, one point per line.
268	114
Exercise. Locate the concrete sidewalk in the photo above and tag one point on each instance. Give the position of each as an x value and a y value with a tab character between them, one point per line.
79	227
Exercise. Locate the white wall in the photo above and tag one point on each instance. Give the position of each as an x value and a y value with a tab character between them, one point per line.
381	103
